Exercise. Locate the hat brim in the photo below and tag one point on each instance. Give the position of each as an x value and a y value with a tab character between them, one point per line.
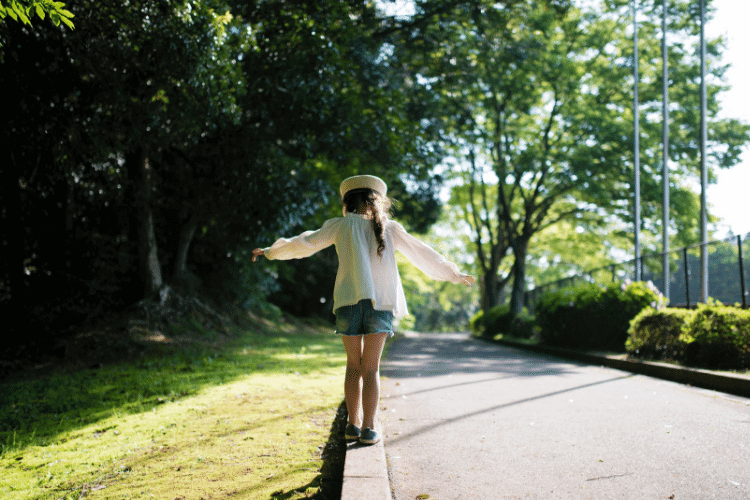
363	181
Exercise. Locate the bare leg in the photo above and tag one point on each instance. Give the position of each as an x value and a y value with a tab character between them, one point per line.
353	381
370	369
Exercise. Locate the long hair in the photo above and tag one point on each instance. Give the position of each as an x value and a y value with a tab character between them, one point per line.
378	205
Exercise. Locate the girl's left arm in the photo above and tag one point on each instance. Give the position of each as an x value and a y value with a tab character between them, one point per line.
427	259
301	246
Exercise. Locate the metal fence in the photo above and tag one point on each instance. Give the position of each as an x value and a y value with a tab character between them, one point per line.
728	274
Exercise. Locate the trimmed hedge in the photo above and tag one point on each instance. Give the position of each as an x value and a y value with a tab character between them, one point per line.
712	336
593	316
655	334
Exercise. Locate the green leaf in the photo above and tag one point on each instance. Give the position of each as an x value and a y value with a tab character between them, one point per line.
19	10
40	12
67	22
55	18
11	14
66	13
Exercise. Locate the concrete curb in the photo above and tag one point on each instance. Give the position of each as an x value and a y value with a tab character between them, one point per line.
731	383
365	472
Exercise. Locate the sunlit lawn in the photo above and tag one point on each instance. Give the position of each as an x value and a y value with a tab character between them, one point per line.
248	420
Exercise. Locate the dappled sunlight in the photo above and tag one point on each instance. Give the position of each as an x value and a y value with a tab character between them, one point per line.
233	439
192	421
157	337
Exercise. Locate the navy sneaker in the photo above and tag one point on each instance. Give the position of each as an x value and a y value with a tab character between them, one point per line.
369	436
352	432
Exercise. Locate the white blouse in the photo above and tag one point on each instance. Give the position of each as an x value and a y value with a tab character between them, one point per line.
362	274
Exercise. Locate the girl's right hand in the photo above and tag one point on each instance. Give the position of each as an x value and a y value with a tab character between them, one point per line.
257	253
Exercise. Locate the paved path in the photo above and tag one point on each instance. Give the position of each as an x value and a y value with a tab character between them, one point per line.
466	419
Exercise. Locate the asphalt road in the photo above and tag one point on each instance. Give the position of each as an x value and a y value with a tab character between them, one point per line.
466	419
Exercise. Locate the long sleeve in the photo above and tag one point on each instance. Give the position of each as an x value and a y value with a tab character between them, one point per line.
305	244
424	257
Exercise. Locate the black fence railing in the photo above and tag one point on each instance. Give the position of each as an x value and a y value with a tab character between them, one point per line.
728	274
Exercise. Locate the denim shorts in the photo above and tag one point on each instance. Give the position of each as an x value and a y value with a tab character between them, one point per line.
361	319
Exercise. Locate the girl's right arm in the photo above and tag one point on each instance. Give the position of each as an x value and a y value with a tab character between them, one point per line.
303	245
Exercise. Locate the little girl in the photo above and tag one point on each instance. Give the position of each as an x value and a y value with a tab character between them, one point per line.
368	294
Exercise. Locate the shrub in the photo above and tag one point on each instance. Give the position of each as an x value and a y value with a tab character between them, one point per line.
523	325
718	337
487	323
713	336
476	323
499	319
593	316
655	334
494	318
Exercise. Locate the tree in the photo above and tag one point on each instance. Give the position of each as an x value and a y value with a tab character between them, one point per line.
139	85
159	143
477	209
542	97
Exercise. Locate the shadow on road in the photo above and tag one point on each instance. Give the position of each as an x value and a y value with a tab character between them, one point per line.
434	425
443	354
432	355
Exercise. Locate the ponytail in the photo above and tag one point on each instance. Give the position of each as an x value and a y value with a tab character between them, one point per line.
375	203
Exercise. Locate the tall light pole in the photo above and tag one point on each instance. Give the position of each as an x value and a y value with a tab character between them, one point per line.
704	168
665	152
637	148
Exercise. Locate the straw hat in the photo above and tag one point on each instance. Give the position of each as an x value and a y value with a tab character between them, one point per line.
363	181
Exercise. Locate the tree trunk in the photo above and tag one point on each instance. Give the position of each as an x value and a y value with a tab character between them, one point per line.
148	251
187	232
489	298
148	254
519	276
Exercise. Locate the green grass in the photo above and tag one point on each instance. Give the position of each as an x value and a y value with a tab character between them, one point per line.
246	418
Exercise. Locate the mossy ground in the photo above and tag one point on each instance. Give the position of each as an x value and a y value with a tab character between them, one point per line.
248	416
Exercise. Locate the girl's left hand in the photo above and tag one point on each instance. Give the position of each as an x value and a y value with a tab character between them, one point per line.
468	280
257	253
